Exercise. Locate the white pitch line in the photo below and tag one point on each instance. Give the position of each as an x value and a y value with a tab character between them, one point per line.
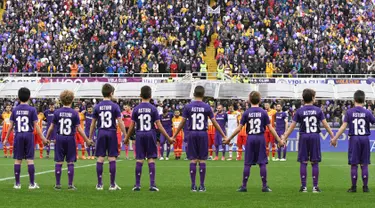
51	171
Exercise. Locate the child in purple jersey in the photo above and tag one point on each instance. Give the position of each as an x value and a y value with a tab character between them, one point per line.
166	121
144	117
256	120
309	118
281	126
359	120
222	119
24	119
198	113
48	117
66	122
105	115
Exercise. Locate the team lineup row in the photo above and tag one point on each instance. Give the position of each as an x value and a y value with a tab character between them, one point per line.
145	120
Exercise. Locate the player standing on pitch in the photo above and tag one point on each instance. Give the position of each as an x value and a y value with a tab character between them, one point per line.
144	117
256	120
270	139
104	119
48	117
79	138
24	119
67	123
166	121
222	119
88	120
359	120
309	118
198	113
281	126
6	122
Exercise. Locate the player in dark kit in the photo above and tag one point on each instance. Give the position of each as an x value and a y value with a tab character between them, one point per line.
359	120
48	117
144	117
104	119
166	121
23	120
256	120
281	126
198	113
222	119
66	122
309	118
88	120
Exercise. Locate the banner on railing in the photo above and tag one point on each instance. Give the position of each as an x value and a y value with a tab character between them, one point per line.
262	80
20	79
154	80
91	79
346	81
295	81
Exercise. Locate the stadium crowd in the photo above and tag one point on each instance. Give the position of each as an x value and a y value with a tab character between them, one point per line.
109	36
126	36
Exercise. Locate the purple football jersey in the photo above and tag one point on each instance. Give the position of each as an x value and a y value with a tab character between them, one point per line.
222	120
309	118
88	121
145	115
359	120
48	114
106	113
166	121
280	121
256	119
197	112
23	117
66	121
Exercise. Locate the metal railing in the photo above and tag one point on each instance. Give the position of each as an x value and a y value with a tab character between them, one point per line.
208	75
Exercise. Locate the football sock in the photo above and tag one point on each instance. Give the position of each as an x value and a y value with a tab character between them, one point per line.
161	150
17	173
127	150
279	152
365	174
99	172
263	174
58	170
11	150
217	150
224	149
354	174
193	172
31	170
48	149
246	175
151	169
70	174
273	145
5	149
284	152
138	173
88	151
303	173
168	149
202	172
134	149
315	174
112	172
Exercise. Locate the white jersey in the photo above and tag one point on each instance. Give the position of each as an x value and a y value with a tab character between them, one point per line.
232	125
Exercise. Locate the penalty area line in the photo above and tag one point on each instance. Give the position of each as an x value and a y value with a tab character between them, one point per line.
52	171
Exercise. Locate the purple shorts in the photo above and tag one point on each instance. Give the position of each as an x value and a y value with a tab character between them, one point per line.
146	145
218	139
359	150
53	134
198	145
186	136
106	143
279	133
309	148
255	150
163	140
23	147
65	149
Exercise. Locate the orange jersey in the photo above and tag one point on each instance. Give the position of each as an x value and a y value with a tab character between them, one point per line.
272	115
175	123
211	128
82	120
6	122
243	130
40	122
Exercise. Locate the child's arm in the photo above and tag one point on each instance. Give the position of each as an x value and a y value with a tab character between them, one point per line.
236	131
273	132
289	131
338	134
326	126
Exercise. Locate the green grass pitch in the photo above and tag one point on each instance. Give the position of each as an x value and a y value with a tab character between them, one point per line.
223	178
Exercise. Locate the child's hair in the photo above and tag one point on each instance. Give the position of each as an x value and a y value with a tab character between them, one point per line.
359	96
24	94
107	90
308	95
254	97
146	92
199	92
67	97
